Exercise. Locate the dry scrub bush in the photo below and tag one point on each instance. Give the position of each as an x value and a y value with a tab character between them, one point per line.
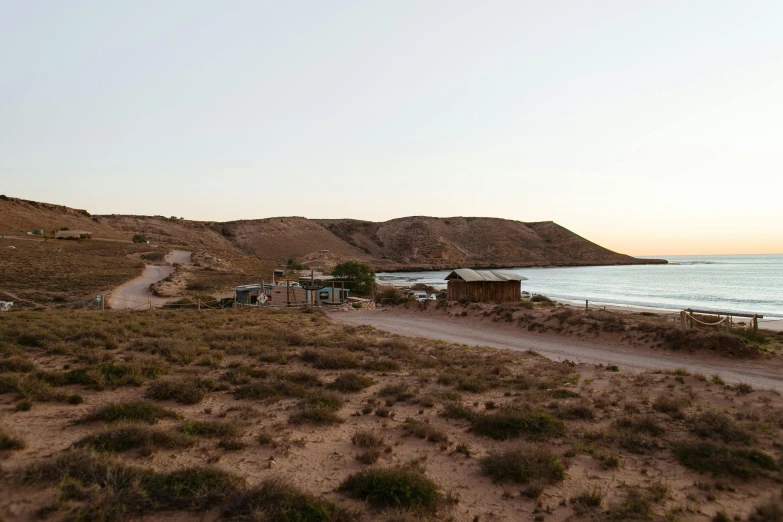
510	422
8	442
393	488
211	428
130	436
134	411
330	359
723	460
424	430
523	465
274	500
106	489
351	382
185	390
717	425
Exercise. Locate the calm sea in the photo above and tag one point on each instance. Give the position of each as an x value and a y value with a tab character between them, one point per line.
750	284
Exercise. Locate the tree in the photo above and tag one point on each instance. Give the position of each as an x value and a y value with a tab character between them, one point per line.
359	277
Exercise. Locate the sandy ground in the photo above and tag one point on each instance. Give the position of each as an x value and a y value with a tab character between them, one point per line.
135	294
761	374
774	324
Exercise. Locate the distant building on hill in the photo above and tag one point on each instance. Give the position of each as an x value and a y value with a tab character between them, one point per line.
73	234
484	285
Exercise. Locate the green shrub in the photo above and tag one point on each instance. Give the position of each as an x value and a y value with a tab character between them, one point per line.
721	460
136	411
140	238
523	465
393	488
75	398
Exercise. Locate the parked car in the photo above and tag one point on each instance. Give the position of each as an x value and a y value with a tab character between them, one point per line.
424	296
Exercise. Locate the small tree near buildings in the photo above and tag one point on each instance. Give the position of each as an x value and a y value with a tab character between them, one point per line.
359	277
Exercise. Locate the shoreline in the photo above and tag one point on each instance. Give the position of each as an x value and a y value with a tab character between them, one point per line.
509	266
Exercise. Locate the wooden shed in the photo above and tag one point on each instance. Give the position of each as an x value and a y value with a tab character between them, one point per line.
484	285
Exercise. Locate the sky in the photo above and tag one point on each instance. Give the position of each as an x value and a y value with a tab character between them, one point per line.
647	127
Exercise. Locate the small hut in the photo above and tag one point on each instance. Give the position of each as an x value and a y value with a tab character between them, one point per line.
484	285
248	294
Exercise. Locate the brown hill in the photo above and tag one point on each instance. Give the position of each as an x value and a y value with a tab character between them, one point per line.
19	216
427	242
399	244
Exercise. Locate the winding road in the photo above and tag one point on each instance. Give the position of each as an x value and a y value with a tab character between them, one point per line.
761	373
135	294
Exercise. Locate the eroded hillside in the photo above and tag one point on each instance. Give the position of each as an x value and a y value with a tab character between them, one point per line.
399	244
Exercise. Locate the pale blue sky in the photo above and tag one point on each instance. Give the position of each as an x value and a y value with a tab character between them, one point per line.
648	127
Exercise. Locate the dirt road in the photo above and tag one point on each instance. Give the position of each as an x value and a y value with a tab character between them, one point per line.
135	294
759	373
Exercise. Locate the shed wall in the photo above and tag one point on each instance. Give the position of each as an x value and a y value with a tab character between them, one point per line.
483	291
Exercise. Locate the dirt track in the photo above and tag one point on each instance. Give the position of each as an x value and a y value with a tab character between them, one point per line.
759	373
135	294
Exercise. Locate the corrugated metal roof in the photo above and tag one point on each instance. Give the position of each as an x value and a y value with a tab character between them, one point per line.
245	288
471	276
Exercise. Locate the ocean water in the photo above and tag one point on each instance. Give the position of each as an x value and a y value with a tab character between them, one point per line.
745	284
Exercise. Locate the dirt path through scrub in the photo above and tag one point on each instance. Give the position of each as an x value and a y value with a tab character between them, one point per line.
135	294
761	374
